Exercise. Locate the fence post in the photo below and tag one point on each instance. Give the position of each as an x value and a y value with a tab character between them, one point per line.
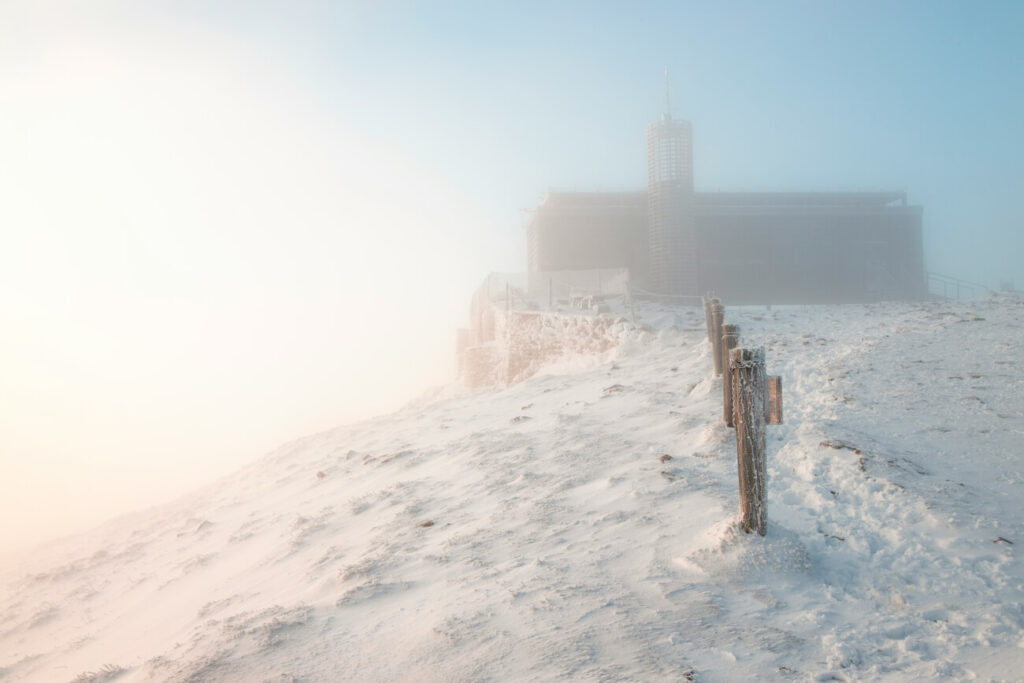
730	339
749	398
707	314
717	318
773	412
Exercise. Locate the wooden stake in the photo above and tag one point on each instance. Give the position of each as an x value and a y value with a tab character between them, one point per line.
749	398
717	318
707	315
774	400
730	339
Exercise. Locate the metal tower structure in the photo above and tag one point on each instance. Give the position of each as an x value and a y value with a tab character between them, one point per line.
671	225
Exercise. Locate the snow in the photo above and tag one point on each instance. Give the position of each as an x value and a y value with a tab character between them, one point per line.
538	531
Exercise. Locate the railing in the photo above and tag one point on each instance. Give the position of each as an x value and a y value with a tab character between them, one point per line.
954	289
642	293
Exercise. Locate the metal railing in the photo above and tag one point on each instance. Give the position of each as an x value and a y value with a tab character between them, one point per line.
953	288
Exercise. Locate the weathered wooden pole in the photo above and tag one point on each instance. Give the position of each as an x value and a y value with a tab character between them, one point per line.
707	314
717	318
773	413
749	394
730	340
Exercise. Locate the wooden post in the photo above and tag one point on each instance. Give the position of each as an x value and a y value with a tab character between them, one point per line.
730	339
774	400
749	395
717	318
707	314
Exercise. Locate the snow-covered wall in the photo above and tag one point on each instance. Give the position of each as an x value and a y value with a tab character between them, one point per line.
522	341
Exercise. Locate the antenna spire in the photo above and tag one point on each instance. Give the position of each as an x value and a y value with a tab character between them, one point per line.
668	97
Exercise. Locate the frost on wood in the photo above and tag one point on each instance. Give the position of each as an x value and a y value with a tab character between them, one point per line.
730	338
749	401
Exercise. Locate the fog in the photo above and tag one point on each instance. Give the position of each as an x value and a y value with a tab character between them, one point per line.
226	225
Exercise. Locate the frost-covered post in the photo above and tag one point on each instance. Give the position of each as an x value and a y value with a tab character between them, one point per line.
774	407
707	314
717	318
730	339
749	394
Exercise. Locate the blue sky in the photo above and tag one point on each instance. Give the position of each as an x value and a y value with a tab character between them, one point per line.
508	101
227	224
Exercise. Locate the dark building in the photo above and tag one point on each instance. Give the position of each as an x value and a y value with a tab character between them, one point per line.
587	230
747	247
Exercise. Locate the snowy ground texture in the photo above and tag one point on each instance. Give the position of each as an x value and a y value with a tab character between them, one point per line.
581	525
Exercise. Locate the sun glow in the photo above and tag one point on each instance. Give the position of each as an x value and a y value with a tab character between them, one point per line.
198	262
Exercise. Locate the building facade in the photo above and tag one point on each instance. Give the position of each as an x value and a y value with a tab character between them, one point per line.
747	247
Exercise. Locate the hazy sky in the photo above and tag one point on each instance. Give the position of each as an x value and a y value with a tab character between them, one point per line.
224	225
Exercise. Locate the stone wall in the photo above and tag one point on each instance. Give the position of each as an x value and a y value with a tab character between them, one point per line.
523	341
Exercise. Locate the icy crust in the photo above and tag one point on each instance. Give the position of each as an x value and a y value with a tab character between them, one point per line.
731	554
582	525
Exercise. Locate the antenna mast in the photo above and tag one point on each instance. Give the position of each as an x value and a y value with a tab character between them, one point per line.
668	97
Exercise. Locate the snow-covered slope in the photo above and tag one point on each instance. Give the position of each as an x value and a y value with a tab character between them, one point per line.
581	525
